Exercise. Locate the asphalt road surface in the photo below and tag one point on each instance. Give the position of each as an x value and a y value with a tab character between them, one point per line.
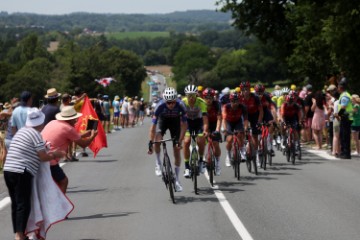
118	196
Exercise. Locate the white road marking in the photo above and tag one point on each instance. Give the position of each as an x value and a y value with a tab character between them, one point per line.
3	203
322	154
233	217
6	201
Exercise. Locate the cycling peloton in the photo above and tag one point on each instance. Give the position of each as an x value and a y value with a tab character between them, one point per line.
214	119
170	113
197	121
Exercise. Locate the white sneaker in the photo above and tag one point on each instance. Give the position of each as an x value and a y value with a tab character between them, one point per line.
217	170
258	163
227	161
178	187
187	173
158	171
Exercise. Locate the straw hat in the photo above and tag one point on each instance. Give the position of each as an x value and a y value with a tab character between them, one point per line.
35	117
52	93
67	113
7	105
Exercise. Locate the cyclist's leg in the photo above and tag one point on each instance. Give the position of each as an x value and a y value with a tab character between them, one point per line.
239	127
175	134
253	119
229	138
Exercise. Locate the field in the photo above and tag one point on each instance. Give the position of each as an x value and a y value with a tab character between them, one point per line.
133	35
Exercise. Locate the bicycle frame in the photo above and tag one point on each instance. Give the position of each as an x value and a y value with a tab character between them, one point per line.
211	160
250	152
263	146
236	157
167	172
290	146
194	158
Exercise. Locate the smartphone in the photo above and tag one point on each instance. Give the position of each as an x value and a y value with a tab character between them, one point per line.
92	124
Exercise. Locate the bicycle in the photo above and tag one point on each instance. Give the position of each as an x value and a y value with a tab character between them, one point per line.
236	157
250	152
194	161
290	143
211	160
167	172
264	154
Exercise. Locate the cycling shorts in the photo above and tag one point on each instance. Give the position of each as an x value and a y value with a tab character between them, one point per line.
253	120
174	126
232	126
196	125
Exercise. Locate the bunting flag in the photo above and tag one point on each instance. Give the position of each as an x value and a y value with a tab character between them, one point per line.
105	81
89	114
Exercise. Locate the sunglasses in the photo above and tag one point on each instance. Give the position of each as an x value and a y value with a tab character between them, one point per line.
209	98
171	103
233	101
193	95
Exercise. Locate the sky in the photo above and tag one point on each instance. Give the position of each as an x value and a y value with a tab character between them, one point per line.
104	6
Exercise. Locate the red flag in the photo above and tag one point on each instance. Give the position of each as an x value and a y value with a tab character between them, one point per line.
89	113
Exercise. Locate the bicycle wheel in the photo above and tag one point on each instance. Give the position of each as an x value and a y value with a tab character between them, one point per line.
299	152
253	157
248	157
265	155
210	165
194	168
235	159
238	165
170	177
292	153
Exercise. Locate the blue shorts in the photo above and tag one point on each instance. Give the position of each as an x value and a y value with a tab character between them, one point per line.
116	114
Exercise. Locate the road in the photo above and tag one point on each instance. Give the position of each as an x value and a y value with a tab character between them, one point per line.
118	196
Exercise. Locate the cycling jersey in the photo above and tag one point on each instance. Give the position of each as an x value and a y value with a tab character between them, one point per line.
252	104
267	104
224	99
234	115
213	111
197	111
163	112
289	112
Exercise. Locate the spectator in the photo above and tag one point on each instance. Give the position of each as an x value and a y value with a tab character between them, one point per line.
60	133
142	111
106	106
346	117
318	120
79	96
355	126
330	103
336	124
65	100
22	163
19	115
51	108
306	133
131	109
116	106
125	113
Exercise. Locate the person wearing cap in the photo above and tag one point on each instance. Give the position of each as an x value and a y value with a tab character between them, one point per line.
116	106
27	151
124	113
65	100
52	107
60	133
346	117
136	104
106	106
19	115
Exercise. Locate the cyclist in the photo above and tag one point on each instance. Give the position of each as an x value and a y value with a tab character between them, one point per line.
290	113
200	91
214	118
170	113
284	92
235	117
224	96
267	105
255	113
197	121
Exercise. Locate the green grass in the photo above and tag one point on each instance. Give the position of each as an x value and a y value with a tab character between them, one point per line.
133	35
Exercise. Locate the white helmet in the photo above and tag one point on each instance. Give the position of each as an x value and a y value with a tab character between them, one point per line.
226	91
277	93
285	90
191	89
169	94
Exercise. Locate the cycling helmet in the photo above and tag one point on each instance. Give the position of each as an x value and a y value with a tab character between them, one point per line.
208	92
244	85
293	87
234	96
237	89
277	93
225	91
200	88
191	89
169	94
259	88
285	90
290	98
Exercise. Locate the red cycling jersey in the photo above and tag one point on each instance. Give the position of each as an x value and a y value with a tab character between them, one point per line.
252	103
214	110
234	115
289	111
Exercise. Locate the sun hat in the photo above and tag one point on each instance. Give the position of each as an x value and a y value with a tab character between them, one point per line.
52	93
7	105
331	87
117	97
67	113
35	117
